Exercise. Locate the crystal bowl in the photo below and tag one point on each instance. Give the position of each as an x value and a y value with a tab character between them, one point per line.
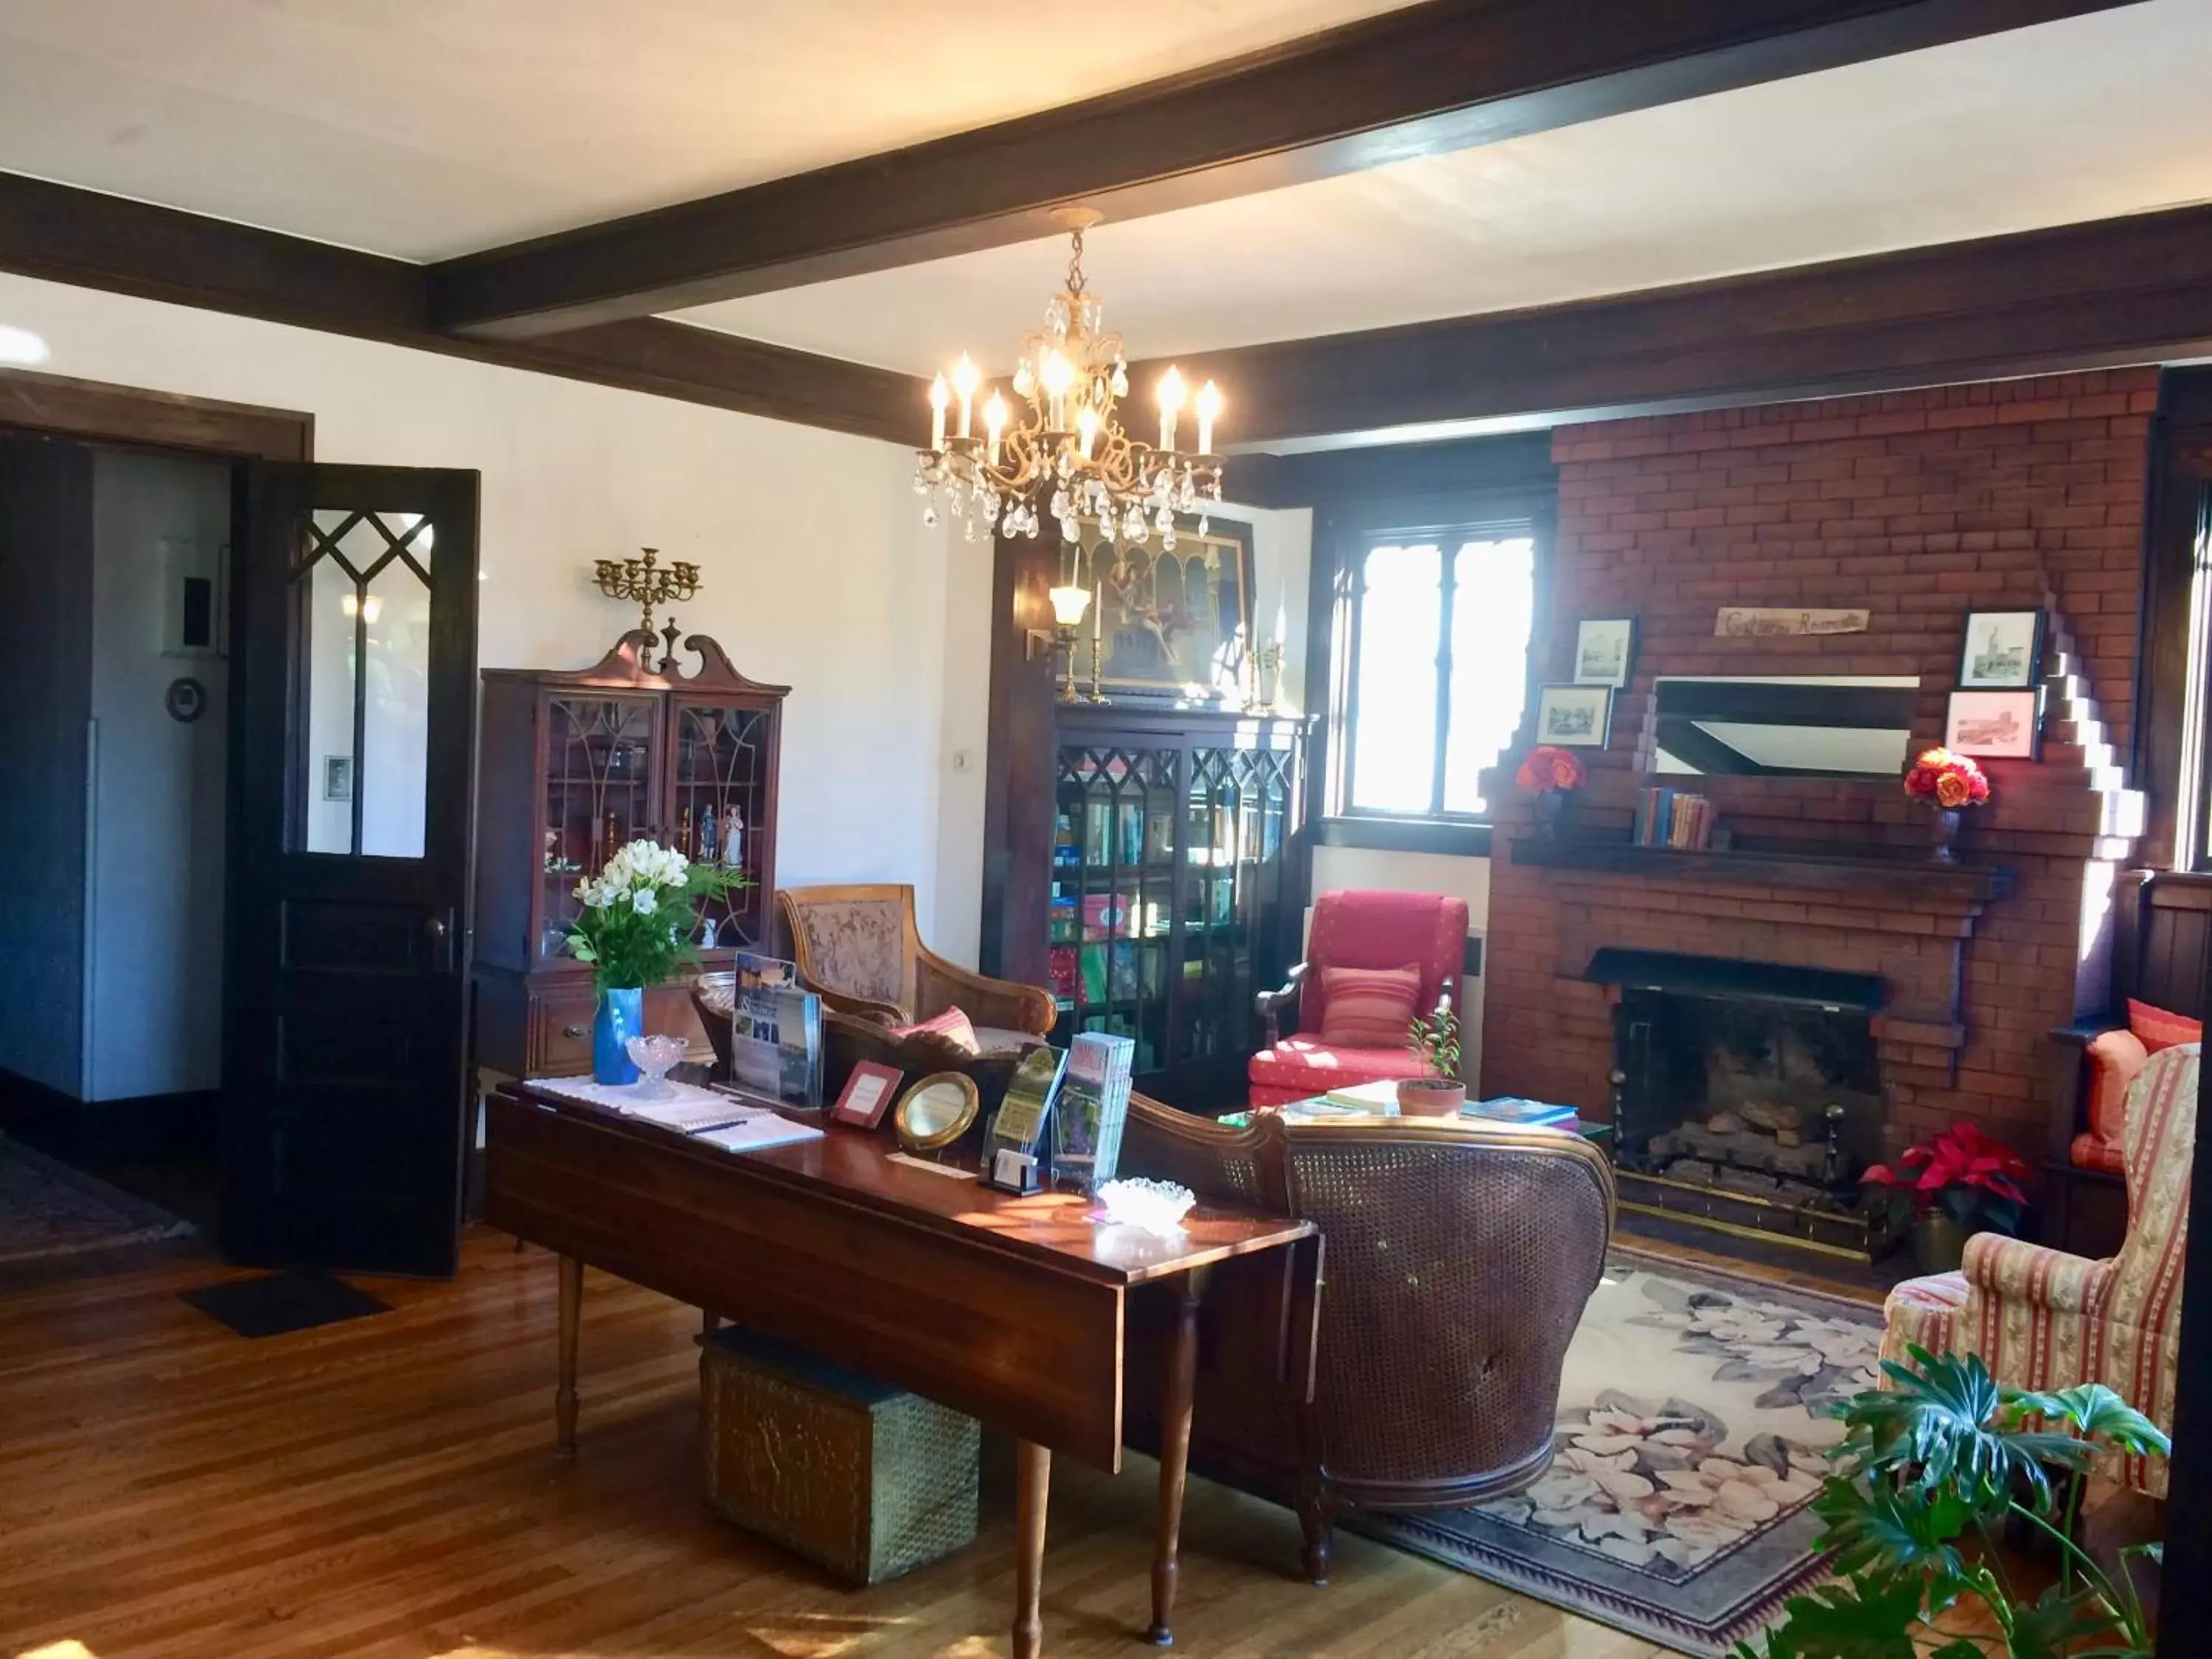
653	1055
1157	1206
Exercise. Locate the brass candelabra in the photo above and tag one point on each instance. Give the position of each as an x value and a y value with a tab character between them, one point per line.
644	583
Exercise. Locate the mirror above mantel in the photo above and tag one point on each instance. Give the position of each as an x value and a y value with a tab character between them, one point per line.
1807	727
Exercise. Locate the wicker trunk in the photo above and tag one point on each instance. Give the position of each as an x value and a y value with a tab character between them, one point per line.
864	1480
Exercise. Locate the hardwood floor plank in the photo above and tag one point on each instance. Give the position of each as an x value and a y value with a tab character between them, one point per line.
387	1487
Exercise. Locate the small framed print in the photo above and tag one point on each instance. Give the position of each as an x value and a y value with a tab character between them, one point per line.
1994	724
868	1095
1605	651
337	777
1574	716
2002	651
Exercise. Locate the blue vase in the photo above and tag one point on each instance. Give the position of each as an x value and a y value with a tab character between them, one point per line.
621	1017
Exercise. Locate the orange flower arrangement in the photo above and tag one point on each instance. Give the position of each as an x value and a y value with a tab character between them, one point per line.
1549	768
1950	781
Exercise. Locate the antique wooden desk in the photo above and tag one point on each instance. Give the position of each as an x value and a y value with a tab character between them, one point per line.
1011	1310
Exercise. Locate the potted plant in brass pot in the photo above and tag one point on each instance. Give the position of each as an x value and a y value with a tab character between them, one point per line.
1551	773
1949	783
1962	1182
1438	1091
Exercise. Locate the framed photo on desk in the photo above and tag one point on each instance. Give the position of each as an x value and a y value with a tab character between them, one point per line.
868	1095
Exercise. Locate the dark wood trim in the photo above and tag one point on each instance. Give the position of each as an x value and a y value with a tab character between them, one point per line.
65	234
143	1127
2180	474
1443	76
2136	289
1965	885
2185	1585
99	413
1465	838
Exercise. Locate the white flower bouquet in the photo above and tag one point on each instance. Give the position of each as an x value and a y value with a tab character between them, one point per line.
635	928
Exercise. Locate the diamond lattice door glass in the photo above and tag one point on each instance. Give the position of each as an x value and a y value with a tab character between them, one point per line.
362	582
598	795
721	760
1113	894
1238	803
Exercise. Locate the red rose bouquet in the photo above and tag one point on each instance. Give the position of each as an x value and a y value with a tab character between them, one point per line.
1549	769
1949	780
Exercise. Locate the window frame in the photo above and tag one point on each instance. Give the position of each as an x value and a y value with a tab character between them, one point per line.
1341	545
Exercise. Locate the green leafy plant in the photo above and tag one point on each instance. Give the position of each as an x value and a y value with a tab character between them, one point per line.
1928	1469
1436	1040
635	928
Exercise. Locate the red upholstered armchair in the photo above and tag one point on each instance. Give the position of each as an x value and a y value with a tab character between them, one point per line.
1355	929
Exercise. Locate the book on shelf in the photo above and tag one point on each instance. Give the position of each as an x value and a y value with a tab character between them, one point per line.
1674	818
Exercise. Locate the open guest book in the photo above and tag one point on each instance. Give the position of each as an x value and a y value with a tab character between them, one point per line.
706	1114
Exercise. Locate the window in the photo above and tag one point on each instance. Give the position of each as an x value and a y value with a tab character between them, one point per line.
1438	669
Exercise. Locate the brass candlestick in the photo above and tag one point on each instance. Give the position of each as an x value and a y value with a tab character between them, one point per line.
644	583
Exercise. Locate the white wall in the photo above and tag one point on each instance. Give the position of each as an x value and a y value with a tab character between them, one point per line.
818	571
154	913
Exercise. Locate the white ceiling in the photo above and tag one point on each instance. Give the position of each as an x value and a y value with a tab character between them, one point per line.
2069	121
427	128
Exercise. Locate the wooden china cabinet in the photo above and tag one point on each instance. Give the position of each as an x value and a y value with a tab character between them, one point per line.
572	766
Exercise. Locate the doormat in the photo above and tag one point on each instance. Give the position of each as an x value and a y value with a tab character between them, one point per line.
276	1304
47	1209
1690	1443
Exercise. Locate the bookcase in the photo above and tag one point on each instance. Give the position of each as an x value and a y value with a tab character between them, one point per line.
571	766
1174	895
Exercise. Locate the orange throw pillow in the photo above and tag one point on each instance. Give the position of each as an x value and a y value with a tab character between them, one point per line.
2161	1028
1368	1007
953	1026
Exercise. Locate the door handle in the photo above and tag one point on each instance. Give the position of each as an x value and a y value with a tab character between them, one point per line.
438	935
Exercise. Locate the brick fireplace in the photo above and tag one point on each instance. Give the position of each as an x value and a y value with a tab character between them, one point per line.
1917	507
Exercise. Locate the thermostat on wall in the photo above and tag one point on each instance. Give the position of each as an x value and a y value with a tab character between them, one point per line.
193	597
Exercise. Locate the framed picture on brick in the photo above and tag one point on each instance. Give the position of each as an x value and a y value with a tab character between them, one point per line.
1605	651
1574	716
2002	651
1994	724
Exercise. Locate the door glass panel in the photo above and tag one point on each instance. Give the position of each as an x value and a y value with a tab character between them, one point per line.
599	796
364	640
721	779
1111	914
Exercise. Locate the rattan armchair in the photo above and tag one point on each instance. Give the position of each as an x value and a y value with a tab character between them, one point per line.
1457	1259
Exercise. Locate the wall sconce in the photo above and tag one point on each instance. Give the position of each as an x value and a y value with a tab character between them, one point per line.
1069	603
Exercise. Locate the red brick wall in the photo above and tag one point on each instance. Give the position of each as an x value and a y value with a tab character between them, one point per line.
1918	505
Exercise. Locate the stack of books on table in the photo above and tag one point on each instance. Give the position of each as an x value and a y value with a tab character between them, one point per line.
1674	817
1513	1109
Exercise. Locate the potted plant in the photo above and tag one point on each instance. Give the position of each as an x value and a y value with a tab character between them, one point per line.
1551	773
1931	1469
636	931
1949	783
1437	1092
1962	1182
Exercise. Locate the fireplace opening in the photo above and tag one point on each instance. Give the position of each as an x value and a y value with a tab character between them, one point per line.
1746	1095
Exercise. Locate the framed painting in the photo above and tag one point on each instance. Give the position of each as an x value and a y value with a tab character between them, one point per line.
1167	625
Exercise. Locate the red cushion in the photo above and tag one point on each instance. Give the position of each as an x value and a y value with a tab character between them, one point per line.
1362	928
1312	1067
2095	1152
953	1024
1368	1007
2161	1028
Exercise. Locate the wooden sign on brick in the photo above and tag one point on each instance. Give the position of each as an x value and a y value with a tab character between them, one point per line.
1743	621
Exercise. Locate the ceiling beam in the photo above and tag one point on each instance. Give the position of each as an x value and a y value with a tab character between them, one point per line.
69	235
1446	75
2129	290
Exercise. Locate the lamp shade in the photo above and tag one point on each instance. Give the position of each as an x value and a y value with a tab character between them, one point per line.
1068	604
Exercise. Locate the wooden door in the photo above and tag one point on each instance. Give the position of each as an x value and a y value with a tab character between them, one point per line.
353	760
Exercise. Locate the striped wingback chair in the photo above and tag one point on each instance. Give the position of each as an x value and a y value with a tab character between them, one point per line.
2042	1319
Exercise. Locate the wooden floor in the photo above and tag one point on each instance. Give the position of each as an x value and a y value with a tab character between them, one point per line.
387	1487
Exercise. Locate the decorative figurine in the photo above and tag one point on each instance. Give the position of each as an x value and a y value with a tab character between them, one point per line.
706	826
733	839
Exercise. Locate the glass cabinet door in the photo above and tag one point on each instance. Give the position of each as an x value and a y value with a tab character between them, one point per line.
1111	909
1238	807
720	763
598	795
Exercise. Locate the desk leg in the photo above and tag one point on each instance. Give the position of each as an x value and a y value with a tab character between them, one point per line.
708	1322
1175	1455
1032	1490
564	1391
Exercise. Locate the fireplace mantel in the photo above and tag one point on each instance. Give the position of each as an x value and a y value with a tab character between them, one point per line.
1958	886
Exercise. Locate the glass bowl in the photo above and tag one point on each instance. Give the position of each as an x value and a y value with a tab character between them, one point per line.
1157	1206
652	1056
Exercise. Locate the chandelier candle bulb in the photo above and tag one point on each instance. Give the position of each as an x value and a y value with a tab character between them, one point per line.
940	396
1209	405
994	423
1171	406
1086	431
966	377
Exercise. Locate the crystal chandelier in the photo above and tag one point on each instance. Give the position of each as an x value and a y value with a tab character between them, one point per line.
1069	458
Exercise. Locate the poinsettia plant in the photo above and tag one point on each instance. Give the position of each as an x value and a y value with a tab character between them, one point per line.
1972	1176
1949	780
1548	769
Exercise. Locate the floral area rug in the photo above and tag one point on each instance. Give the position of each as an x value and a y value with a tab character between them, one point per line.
47	1208
1690	1442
